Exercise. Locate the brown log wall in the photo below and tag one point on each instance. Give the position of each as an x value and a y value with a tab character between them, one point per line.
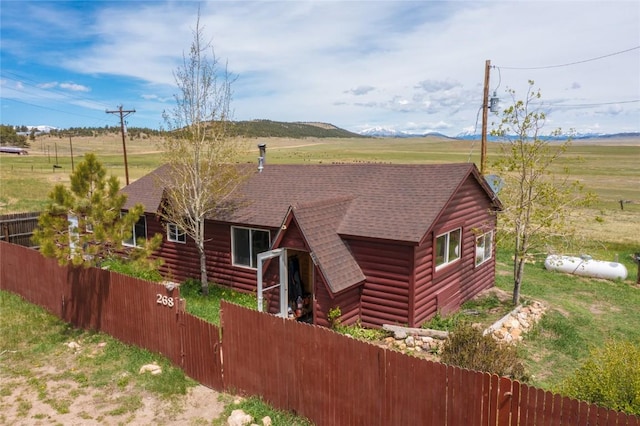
462	280
327	377
385	295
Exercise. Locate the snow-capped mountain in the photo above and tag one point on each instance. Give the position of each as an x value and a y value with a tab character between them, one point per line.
385	132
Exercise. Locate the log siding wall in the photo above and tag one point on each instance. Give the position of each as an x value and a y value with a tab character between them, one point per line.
385	295
401	286
471	212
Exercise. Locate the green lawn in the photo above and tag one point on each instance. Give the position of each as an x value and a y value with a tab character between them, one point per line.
583	314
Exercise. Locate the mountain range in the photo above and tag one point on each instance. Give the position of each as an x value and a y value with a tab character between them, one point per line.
384	132
269	128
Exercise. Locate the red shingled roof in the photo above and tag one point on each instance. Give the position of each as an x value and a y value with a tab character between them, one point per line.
388	201
319	222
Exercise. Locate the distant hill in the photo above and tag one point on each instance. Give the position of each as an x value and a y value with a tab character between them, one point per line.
268	128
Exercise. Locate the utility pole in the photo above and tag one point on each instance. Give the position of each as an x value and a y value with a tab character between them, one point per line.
123	114
71	146
485	108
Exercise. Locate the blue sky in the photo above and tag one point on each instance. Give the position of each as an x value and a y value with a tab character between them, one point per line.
411	66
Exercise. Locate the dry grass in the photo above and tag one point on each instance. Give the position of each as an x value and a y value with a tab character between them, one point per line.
607	167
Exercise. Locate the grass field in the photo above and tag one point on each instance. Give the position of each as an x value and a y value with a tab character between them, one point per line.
609	168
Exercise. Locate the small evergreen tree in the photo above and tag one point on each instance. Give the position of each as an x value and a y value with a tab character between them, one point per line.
84	224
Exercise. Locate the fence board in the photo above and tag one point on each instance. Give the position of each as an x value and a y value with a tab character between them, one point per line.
452	389
570	412
200	356
515	404
17	228
505	392
470	404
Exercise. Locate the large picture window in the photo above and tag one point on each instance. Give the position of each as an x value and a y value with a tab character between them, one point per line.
139	233
484	245
246	244
175	233
448	247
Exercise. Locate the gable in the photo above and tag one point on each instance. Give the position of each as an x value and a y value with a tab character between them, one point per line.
317	224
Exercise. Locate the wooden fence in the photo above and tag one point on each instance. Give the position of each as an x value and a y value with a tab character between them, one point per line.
327	377
17	228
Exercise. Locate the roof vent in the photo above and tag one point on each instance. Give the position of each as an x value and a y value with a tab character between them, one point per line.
263	156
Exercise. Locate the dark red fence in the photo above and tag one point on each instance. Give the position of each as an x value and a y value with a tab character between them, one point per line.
134	311
327	377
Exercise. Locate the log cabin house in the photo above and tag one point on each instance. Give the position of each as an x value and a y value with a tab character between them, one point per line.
386	243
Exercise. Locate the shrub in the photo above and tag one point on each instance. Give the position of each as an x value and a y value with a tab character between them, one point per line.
466	347
142	270
610	377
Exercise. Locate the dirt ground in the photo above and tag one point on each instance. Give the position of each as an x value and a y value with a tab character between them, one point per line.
90	406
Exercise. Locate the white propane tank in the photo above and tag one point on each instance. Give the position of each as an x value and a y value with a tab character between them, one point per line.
586	266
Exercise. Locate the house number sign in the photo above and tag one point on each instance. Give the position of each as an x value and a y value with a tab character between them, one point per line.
164	300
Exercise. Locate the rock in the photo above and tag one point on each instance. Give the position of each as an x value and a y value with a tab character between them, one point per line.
266	421
152	368
410	342
400	334
239	418
73	345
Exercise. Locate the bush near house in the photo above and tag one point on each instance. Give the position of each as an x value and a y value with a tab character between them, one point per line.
610	377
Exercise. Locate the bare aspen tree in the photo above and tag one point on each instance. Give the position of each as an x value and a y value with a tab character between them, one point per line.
538	199
198	148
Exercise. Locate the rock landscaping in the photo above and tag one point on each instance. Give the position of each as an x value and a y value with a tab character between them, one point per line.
509	329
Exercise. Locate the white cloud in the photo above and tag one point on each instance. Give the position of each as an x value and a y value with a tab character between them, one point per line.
74	87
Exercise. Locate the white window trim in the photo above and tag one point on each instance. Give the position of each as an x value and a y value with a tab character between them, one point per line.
181	236
484	248
233	260
447	262
133	233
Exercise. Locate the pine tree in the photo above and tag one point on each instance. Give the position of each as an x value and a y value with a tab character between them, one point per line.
84	224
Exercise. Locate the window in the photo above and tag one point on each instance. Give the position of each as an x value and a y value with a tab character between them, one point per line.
246	243
175	233
74	234
484	245
448	247
139	233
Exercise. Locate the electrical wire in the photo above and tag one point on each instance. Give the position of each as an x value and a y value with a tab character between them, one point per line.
475	130
37	85
57	110
573	63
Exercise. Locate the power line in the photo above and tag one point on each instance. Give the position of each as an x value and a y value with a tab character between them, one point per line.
572	63
591	105
54	109
38	85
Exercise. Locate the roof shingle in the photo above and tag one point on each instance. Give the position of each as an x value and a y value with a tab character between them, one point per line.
387	201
